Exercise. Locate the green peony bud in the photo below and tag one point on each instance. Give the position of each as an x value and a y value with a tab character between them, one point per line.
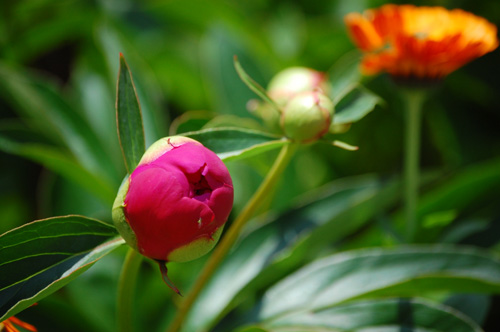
307	116
291	81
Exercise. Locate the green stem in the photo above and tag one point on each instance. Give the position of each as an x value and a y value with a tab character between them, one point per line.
126	287
414	100
233	232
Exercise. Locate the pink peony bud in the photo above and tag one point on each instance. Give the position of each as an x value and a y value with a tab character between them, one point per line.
175	203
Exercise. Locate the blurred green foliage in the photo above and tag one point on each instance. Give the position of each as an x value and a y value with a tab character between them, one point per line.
60	155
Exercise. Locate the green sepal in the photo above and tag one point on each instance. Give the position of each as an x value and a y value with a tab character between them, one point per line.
118	215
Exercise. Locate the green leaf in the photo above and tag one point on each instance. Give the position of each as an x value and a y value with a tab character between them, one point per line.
229	120
474	306
369	273
62	164
129	118
43	256
198	120
355	105
452	192
482	179
344	75
252	329
234	143
352	101
379	315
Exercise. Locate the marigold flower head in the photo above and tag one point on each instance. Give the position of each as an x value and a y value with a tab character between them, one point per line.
421	42
8	325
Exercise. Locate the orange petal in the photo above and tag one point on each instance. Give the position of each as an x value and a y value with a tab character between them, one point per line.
363	32
24	325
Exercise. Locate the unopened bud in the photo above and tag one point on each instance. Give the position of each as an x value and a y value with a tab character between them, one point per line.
291	81
174	204
307	116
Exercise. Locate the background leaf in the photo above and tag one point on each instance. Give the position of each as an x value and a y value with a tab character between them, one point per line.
62	164
383	272
379	315
41	257
40	102
355	105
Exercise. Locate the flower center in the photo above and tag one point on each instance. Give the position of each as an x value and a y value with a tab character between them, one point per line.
199	188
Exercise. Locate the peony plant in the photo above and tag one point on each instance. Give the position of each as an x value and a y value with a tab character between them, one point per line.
177	196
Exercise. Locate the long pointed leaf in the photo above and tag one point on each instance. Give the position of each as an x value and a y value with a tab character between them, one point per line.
129	118
40	257
381	272
387	315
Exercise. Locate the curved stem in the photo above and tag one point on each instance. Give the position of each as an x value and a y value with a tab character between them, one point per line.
233	232
414	100
126	287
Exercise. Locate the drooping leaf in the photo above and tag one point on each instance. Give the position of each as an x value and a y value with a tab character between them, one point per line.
368	273
236	143
40	257
129	118
378	315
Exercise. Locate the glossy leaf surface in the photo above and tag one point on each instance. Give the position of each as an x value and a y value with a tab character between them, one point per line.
379	315
41	257
409	271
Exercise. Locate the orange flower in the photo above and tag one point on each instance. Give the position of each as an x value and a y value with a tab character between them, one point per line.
8	325
422	42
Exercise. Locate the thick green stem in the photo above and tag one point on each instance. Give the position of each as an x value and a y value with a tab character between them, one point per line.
126	287
414	100
233	232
